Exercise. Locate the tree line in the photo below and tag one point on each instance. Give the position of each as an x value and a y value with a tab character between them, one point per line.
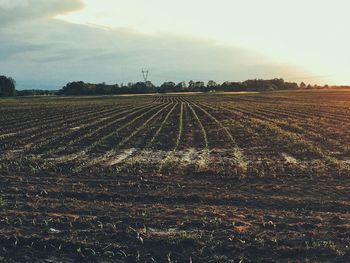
80	88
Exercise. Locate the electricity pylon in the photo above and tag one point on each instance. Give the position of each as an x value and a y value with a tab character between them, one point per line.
145	74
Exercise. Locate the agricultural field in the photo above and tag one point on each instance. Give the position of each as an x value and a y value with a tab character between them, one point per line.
260	177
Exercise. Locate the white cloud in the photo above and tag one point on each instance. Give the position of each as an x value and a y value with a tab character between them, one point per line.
54	52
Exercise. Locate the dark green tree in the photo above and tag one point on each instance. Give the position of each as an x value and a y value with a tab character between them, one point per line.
7	87
167	87
212	84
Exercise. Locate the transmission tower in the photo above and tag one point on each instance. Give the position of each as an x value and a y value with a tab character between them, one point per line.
145	74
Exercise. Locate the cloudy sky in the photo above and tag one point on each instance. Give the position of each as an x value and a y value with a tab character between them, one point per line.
47	43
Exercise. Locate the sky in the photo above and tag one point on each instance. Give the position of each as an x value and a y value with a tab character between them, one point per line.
47	43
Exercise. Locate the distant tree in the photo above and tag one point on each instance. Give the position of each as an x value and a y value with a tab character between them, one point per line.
290	86
142	87
75	88
181	86
200	86
212	85
149	85
167	87
7	87
232	86
302	85
196	86
274	83
35	92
